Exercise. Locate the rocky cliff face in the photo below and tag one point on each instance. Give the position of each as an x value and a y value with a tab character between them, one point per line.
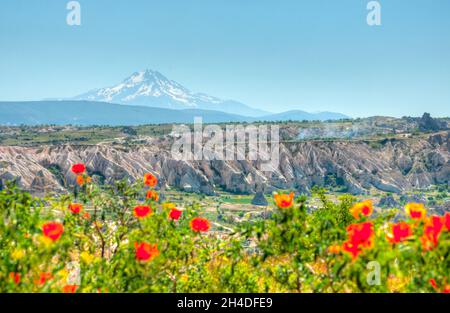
392	165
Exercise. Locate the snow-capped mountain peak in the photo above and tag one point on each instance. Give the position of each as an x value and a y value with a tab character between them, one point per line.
151	88
139	87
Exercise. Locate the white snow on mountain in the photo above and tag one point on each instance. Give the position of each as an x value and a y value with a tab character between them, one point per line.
151	88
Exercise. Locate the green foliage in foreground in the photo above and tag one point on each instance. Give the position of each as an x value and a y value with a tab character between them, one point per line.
289	251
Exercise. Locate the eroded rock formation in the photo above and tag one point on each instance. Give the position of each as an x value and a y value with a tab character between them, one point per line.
394	166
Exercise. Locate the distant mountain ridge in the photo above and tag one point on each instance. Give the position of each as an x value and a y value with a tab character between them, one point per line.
298	115
153	89
101	113
64	112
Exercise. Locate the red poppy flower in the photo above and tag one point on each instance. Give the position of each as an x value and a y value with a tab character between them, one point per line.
150	180
15	277
359	236
52	230
43	278
152	194
432	230
400	232
284	201
78	168
200	224
175	214
145	251
142	211
75	208
447	221
70	288
351	248
416	211
364	207
436	287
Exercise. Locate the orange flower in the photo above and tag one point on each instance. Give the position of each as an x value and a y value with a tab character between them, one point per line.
200	224
145	251
335	249
15	277
400	232
359	236
364	207
142	211
81	180
69	288
432	229
52	230
416	211
152	194
43	278
175	214
284	201
75	208
86	215
150	180
78	168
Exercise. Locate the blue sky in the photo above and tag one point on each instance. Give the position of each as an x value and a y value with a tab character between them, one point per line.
313	55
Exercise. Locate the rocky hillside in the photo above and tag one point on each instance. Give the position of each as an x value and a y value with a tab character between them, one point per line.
392	165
